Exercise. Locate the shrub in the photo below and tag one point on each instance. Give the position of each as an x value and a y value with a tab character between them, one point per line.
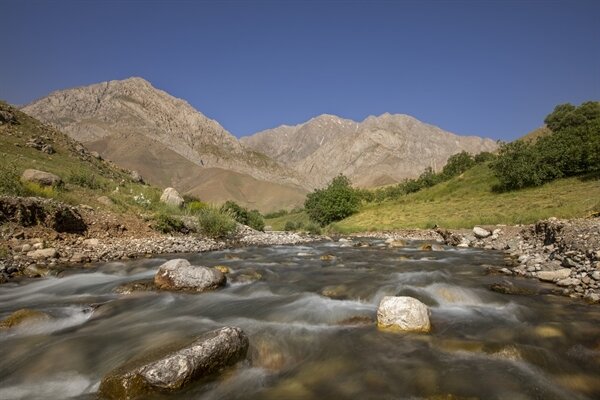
313	228
483	157
85	179
289	226
336	202
251	218
166	224
214	223
35	190
10	182
194	207
457	164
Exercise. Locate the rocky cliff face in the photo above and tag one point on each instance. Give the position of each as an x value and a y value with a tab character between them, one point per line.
125	111
377	151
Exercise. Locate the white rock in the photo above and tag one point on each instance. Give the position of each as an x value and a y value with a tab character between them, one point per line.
568	282
481	233
171	197
43	253
551	276
402	313
40	177
91	242
179	274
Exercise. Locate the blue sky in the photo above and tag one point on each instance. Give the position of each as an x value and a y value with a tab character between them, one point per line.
489	68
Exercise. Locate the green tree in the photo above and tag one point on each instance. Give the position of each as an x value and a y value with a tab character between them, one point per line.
457	164
336	202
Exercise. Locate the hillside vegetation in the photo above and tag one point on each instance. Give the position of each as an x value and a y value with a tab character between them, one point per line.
469	199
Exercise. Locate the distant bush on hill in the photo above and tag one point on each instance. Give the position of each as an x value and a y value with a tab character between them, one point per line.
572	148
336	202
252	218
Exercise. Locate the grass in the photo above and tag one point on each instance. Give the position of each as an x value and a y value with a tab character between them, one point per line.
297	218
468	200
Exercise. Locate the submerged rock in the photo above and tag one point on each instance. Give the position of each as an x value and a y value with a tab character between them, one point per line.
179	274
174	370
23	317
403	314
223	269
336	292
144	285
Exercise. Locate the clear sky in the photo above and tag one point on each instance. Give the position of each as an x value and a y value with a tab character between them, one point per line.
489	68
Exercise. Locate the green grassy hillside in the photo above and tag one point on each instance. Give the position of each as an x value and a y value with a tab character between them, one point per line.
468	200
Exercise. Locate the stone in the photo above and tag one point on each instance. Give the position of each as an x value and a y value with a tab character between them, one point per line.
336	292
96	155
35	271
144	285
23	317
569	282
91	242
403	314
481	233
37	246
246	276
43	254
40	177
174	370
437	247
136	177
551	276
79	258
397	243
171	197
179	274
223	269
509	288
328	257
596	275
26	247
426	247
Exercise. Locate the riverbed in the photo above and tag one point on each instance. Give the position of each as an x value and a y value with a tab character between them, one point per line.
311	325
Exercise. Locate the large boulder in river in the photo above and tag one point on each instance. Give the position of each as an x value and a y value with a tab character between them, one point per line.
403	314
179	274
171	197
41	177
169	371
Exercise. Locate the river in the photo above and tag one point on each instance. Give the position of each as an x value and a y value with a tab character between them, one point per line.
304	345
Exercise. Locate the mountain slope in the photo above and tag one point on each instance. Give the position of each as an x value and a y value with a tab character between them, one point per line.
377	151
142	128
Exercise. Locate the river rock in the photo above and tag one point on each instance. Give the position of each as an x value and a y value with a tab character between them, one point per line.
42	178
23	317
179	274
481	233
404	314
171	371
569	282
171	197
396	243
42	254
144	285
551	276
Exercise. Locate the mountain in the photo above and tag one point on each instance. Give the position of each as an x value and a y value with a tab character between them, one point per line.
170	143
377	151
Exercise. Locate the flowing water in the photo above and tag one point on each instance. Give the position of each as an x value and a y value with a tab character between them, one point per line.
483	345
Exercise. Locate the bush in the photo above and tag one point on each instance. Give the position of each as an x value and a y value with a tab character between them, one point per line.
457	164
251	218
483	157
166	224
572	148
85	179
313	229
10	181
194	207
289	226
215	224
336	202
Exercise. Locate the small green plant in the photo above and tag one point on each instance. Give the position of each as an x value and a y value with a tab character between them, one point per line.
336	202
289	226
167	224
251	218
313	228
215	224
195	206
276	214
10	182
35	190
85	179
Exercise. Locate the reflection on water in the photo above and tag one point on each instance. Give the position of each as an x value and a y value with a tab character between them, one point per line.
304	345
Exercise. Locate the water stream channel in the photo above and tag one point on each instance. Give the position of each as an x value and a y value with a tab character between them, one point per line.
304	345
